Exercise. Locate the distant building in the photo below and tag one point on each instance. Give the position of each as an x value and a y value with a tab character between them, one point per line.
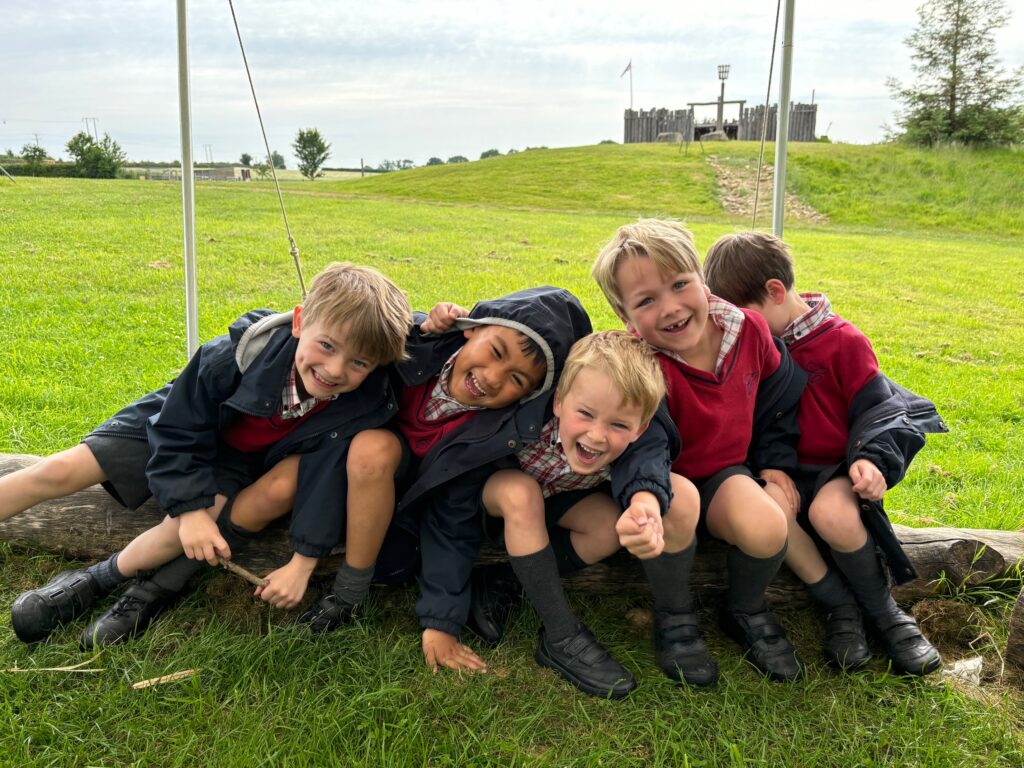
645	126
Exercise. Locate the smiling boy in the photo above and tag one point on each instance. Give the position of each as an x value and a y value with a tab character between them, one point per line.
297	384
606	398
733	393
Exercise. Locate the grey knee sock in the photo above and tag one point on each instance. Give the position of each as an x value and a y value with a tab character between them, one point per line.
106	574
831	591
538	573
669	576
863	571
568	559
353	584
749	577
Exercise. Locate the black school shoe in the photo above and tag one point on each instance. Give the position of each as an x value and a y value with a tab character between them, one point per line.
764	643
494	592
846	646
581	660
680	650
327	613
38	612
130	616
904	644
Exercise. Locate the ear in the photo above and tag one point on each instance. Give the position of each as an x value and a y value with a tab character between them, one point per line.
643	428
557	405
630	327
776	290
468	333
297	321
707	291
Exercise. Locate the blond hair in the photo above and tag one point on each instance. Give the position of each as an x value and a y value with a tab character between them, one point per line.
738	266
378	314
627	360
667	243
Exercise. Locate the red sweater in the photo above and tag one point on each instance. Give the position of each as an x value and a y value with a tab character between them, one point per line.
252	434
422	435
839	361
715	415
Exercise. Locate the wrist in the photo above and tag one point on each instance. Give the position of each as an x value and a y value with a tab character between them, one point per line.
303	563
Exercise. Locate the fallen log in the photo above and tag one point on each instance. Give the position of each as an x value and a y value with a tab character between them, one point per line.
1015	641
89	525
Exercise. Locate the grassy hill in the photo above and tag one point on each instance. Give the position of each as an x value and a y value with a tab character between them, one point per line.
876	187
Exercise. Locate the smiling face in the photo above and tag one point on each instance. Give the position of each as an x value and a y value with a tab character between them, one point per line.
668	311
326	363
594	424
492	370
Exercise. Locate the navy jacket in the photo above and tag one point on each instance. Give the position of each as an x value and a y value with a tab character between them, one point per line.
244	372
776	432
444	497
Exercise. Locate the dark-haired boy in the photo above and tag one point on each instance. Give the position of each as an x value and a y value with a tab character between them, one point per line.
858	433
733	394
298	384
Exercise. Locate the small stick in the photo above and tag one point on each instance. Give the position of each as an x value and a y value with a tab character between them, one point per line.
238	570
73	668
165	679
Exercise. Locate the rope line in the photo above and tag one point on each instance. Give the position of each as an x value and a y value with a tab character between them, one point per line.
764	120
270	160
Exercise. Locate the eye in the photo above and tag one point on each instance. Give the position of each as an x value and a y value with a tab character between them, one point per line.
679	285
584	413
326	346
496	352
620	426
361	364
644	302
519	381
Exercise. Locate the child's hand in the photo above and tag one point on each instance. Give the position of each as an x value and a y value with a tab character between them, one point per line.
443	650
288	583
786	485
200	538
868	481
442	317
640	527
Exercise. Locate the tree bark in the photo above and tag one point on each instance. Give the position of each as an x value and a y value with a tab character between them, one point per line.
90	525
1015	642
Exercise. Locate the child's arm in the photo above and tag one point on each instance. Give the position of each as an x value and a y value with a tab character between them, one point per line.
646	464
288	583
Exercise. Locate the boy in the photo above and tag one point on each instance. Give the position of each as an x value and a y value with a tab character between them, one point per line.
733	394
301	383
606	397
858	434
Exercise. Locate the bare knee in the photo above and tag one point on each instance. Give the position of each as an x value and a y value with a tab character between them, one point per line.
683	514
514	496
839	524
761	530
66	472
374	455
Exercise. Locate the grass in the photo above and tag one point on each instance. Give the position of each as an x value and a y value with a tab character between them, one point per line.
91	306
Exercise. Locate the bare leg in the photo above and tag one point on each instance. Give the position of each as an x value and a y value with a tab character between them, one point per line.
373	460
592	522
55	476
269	498
157	546
802	555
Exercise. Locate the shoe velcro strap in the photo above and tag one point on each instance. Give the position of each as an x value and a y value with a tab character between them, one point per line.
579	644
901	633
761	626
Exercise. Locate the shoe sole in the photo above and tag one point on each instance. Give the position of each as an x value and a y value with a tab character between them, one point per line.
546	661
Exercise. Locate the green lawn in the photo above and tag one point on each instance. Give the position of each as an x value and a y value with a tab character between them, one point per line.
92	308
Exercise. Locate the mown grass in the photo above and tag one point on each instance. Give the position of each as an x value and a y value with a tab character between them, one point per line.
91	306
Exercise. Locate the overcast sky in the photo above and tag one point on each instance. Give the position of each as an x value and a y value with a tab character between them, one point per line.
395	80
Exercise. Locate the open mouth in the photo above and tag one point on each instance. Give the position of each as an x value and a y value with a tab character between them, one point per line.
677	327
473	386
587	455
326	383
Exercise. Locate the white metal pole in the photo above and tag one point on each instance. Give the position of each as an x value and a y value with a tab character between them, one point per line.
782	133
188	197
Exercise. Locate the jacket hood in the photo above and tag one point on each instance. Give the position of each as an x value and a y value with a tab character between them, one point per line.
552	317
251	332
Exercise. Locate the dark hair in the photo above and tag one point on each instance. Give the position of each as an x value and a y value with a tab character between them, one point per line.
738	266
529	347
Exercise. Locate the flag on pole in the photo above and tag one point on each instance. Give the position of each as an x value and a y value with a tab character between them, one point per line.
629	68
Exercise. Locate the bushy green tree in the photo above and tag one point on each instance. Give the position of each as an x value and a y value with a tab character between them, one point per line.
312	151
277	159
961	94
262	170
34	156
458	159
489	153
246	159
435	161
95	159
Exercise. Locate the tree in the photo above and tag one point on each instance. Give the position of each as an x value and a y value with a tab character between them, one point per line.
458	159
435	161
277	159
489	153
246	160
34	156
312	151
962	93
95	159
262	170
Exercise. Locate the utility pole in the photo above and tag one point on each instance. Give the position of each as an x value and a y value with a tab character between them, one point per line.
782	131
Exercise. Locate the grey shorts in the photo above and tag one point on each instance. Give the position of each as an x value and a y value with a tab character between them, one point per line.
123	460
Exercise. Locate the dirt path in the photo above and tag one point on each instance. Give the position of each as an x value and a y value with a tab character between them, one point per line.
736	188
